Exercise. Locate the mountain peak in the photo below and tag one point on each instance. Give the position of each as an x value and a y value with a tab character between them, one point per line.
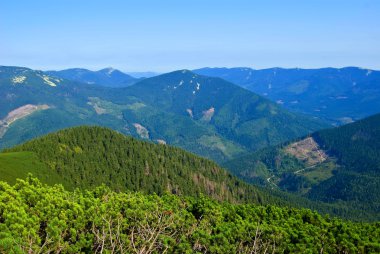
184	71
180	72
108	71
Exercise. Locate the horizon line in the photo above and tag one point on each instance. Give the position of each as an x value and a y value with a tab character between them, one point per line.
190	69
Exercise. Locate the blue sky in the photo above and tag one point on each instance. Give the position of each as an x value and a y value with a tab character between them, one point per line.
154	35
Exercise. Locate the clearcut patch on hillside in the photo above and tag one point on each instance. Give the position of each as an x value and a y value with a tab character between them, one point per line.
49	80
141	130
307	151
18	79
208	114
17	114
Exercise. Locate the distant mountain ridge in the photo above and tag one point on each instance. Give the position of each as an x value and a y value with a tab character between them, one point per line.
328	93
108	77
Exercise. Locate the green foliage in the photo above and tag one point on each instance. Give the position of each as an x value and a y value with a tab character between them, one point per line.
20	164
357	149
356	145
86	157
258	166
90	156
240	116
348	178
35	218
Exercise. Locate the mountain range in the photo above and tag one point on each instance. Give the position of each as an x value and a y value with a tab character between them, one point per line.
327	93
258	140
290	185
108	77
208	116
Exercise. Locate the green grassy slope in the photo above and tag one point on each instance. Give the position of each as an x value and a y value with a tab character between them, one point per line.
19	164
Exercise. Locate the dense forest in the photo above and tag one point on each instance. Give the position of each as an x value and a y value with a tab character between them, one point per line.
90	156
356	145
346	176
86	157
36	218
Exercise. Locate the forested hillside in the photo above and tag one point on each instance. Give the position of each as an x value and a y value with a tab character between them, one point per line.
157	157
33	104
207	116
356	148
87	157
35	218
247	120
339	166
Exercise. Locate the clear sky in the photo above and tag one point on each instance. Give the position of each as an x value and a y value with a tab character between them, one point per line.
164	35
